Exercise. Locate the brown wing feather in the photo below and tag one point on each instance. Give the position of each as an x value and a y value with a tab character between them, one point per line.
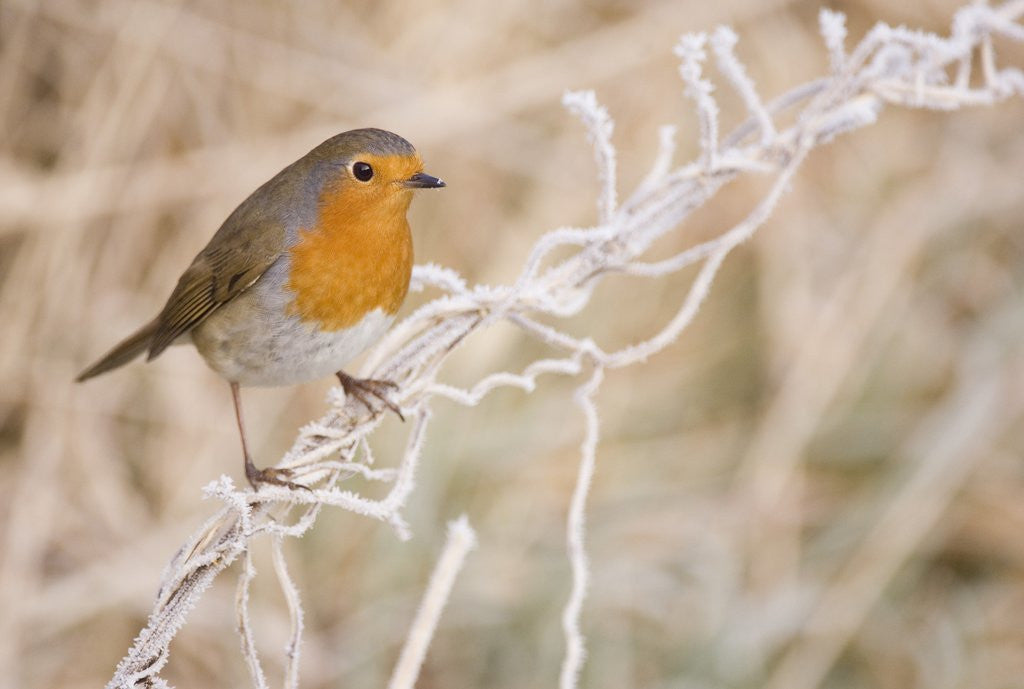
222	271
248	242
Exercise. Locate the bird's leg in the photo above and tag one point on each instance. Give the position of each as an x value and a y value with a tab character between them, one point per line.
257	476
361	387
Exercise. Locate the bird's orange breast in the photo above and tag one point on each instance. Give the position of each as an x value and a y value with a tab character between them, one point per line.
358	258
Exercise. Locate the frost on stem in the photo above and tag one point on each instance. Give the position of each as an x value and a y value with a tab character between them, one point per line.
690	51
833	30
461	539
291	596
599	125
252	660
723	42
574	644
888	67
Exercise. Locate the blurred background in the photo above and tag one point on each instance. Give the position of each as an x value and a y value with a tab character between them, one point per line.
819	485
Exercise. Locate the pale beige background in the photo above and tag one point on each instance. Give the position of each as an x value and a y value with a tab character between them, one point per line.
829	360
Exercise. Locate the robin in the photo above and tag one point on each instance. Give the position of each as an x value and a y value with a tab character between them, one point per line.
303	276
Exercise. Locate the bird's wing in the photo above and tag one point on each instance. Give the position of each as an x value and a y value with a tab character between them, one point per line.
242	250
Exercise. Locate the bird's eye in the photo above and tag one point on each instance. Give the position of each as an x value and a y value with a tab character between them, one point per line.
362	171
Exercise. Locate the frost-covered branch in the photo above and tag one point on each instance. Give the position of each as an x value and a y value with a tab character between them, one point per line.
890	66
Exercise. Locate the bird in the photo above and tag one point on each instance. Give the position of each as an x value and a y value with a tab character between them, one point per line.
304	275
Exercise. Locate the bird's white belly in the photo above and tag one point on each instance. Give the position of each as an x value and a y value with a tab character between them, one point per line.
270	349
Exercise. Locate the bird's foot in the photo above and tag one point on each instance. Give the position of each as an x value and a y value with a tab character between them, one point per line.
274	476
363	388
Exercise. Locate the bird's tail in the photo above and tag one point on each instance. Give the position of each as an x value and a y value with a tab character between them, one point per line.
124	352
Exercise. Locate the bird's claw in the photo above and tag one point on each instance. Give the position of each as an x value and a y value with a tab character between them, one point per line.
273	476
362	388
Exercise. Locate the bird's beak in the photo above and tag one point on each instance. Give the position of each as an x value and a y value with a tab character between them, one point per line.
422	180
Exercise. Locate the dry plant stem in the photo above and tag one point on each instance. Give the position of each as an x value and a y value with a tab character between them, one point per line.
890	66
252	660
574	652
945	449
461	539
833	342
291	594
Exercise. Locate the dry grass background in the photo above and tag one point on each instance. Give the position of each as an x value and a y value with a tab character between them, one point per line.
819	485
